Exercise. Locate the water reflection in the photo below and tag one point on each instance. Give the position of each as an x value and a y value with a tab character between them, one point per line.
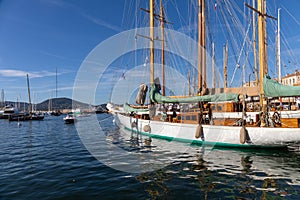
211	172
180	169
51	159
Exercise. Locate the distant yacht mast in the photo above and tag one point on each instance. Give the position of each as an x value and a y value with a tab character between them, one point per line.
29	98
56	83
2	98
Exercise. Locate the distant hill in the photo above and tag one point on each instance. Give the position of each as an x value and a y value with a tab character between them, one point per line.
57	104
61	103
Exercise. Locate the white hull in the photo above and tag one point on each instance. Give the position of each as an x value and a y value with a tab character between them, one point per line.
213	135
69	119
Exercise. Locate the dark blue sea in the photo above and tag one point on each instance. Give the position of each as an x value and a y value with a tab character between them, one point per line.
52	160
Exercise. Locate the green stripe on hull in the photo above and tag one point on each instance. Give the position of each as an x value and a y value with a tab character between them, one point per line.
215	144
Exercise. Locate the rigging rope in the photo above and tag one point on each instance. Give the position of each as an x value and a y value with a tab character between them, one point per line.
239	57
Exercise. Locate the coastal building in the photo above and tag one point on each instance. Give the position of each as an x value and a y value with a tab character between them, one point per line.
289	79
250	84
292	79
290	103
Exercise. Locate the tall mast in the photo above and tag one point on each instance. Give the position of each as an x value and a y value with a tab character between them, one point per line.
262	52
278	48
151	42
262	46
203	42
254	43
29	99
162	26
199	48
265	32
201	45
213	65
225	64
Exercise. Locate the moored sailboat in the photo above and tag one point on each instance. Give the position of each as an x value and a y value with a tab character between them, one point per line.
201	123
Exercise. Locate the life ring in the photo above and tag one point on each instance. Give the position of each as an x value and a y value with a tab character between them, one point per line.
276	118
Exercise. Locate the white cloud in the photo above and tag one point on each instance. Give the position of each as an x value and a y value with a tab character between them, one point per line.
20	73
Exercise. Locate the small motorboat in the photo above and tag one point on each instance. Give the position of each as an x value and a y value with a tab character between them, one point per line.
37	116
70	118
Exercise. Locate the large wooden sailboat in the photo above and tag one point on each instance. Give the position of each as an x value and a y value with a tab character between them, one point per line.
219	119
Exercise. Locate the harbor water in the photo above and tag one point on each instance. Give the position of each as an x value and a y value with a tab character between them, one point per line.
49	160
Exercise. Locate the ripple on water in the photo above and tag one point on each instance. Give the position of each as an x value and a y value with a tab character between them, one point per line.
47	160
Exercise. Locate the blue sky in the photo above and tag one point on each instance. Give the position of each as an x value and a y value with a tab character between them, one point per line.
39	36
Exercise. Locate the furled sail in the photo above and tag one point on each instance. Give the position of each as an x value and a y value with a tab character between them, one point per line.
156	97
128	108
140	99
274	89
